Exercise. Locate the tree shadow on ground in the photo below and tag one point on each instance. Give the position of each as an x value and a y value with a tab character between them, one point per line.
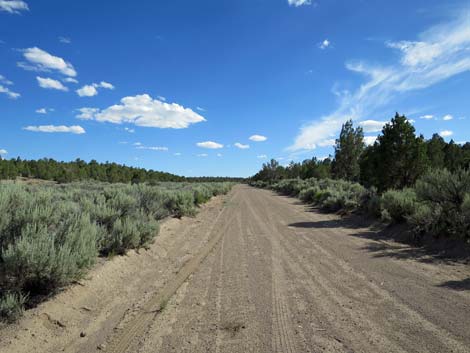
457	285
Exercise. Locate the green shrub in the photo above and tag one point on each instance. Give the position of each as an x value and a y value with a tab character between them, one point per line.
12	306
447	194
397	205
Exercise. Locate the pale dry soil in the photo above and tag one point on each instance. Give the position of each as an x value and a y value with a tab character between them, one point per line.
257	272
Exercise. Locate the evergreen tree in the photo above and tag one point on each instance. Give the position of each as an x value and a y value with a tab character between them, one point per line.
348	150
397	158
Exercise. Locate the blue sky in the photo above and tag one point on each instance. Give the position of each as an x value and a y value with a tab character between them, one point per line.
215	87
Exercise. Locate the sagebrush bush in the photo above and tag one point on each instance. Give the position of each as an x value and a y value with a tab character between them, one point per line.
397	205
51	234
11	306
447	195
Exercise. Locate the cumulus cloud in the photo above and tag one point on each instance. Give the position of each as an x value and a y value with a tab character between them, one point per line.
87	91
372	125
74	129
87	113
44	110
91	90
143	110
262	156
209	144
3	151
441	52
446	133
50	83
369	140
9	92
241	146
13	6
258	138
325	44
447	117
298	3
40	60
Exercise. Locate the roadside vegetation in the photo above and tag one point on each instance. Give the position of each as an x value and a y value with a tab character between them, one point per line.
401	178
51	234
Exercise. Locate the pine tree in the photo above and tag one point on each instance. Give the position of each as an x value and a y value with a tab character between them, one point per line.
348	150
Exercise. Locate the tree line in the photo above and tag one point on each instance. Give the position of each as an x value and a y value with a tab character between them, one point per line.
79	170
395	161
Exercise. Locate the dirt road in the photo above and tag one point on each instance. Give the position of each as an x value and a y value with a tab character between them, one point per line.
257	272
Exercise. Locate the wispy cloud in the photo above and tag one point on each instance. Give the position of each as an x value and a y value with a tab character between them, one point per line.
13	6
447	117
372	125
152	148
143	110
9	92
50	83
241	146
210	144
298	3
6	90
441	52
44	110
258	138
65	40
74	129
41	60
427	117
262	156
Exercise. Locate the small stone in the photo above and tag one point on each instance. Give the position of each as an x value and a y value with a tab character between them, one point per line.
82	334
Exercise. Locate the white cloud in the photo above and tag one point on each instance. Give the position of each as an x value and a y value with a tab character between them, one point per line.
41	111
258	138
372	125
65	40
87	91
325	44
3	151
419	67
369	140
151	148
104	84
177	154
129	130
209	144
142	110
327	143
446	133
5	81
200	109
427	117
75	129
40	60
447	117
163	99
91	90
50	83
241	146
9	93
262	156
219	155
202	155
13	6
298	3
87	113
70	80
